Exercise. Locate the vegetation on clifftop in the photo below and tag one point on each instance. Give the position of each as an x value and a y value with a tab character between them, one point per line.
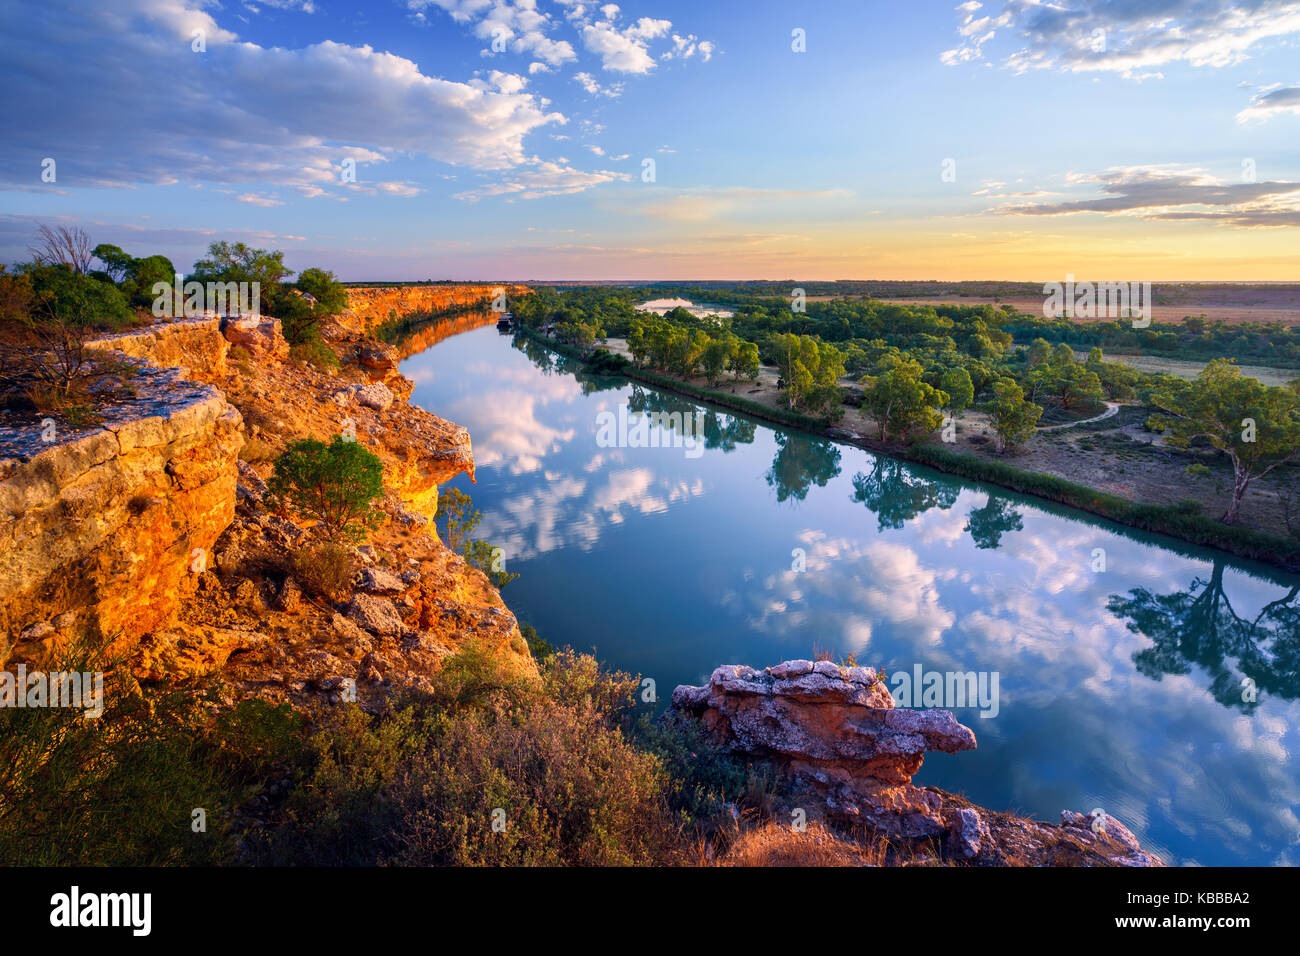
565	767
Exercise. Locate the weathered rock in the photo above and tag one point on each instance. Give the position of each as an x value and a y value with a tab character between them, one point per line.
108	524
379	581
376	395
839	741
378	358
1105	827
250	486
376	615
37	632
289	596
191	345
822	713
348	630
969	833
835	730
193	652
261	335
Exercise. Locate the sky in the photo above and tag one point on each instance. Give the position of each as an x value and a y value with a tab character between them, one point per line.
1152	140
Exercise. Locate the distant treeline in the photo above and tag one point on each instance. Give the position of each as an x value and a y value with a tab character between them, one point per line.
764	308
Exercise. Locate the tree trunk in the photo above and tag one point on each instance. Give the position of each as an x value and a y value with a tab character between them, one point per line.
1240	482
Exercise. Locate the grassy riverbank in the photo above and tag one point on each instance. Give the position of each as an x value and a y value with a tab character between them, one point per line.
1183	521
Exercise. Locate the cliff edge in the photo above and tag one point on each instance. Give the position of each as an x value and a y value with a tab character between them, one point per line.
150	531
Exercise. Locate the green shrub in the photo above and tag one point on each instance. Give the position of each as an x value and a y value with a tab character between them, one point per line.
538	646
120	789
334	484
424	783
313	350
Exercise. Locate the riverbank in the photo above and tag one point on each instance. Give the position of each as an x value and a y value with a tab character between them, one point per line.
282	638
1065	461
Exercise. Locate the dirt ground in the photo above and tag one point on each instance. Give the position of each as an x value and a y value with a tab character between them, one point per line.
1116	455
1120	457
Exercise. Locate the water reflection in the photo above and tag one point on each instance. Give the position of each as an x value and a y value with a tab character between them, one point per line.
987	525
1245	657
1119	689
801	463
898	493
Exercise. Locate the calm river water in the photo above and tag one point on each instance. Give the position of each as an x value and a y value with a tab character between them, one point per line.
1163	688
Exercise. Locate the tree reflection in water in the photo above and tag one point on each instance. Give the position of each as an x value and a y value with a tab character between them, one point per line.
987	525
801	463
897	494
1245	657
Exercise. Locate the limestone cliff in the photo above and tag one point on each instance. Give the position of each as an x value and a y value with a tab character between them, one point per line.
151	528
372	306
99	527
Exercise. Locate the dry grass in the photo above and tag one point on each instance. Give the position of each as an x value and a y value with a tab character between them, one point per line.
324	571
255	449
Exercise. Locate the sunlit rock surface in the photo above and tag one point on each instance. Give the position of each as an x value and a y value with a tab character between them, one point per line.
847	753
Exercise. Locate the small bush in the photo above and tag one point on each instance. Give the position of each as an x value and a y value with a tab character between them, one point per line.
538	646
255	449
324	570
316	353
424	783
43	336
334	484
120	789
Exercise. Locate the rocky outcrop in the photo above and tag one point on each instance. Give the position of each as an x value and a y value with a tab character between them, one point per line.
848	754
99	529
261	336
191	345
149	529
835	731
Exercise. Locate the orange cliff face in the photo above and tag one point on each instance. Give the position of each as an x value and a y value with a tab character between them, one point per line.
372	306
427	336
152	529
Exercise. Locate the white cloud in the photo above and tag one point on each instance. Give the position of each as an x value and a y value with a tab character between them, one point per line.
685	47
238	116
1173	193
621	52
1271	101
255	200
1127	38
399	189
517	24
590	84
544	179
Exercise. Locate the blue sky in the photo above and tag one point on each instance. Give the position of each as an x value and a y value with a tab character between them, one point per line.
1136	140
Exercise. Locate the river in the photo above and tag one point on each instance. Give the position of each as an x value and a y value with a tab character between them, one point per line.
1156	681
